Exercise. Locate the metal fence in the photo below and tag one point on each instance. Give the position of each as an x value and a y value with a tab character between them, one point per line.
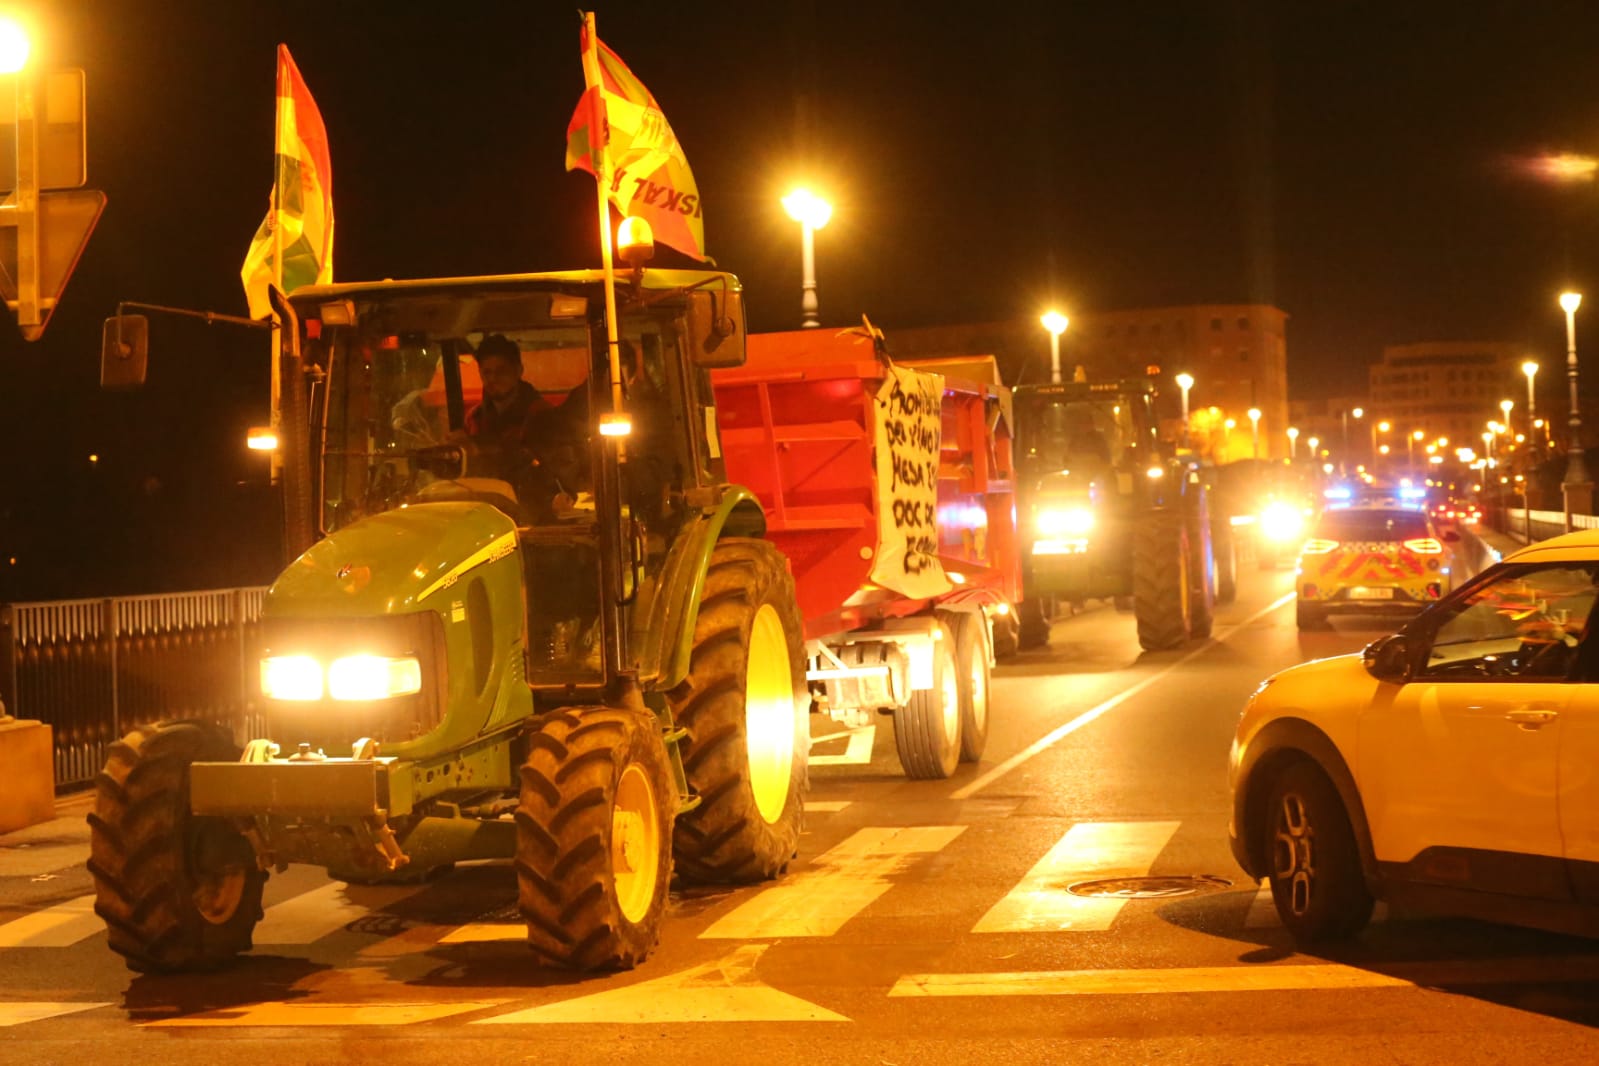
1544	524
93	669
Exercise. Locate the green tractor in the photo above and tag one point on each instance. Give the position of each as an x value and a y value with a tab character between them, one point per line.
577	652
1105	513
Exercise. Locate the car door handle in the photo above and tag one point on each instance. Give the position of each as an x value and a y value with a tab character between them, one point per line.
1529	719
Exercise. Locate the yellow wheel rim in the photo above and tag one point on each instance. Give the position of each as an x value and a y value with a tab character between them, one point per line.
635	843
769	714
217	895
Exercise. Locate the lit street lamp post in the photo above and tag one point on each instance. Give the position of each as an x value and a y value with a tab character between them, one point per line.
1293	443
1185	381
1379	427
1576	488
1530	368
1056	323
812	213
1254	430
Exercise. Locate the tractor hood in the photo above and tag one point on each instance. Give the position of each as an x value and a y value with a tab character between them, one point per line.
393	562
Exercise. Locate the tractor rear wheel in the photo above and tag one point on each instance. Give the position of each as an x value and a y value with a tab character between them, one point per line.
177	892
747	712
927	730
1160	580
1225	546
592	861
1201	563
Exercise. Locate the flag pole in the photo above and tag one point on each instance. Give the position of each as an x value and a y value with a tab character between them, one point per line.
599	137
276	414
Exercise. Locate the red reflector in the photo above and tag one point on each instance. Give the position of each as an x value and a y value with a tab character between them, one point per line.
1424	546
1434	591
1311	591
1317	546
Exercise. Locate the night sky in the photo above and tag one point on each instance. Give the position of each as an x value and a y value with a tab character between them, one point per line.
1352	163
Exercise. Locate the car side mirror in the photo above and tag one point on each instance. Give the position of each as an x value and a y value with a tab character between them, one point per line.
1389	659
1449	536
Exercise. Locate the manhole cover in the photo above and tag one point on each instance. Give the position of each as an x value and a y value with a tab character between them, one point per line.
1149	887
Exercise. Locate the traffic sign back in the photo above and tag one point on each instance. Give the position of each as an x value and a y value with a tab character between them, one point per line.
60	113
66	218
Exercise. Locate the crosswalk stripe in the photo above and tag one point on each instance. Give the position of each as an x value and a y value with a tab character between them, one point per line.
60	926
22	1013
826	806
1088	851
485	933
857	752
845	881
299	1013
310	916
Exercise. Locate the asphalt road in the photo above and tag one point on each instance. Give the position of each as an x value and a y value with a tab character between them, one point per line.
924	922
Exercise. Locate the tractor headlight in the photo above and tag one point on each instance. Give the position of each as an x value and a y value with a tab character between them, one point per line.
291	677
373	677
351	678
1065	522
1280	522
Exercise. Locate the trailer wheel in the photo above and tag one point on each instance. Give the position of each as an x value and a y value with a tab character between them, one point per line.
927	730
592	862
1160	580
746	709
1004	634
972	670
177	892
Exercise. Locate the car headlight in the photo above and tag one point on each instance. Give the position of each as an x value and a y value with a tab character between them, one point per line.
351	677
1281	522
1065	521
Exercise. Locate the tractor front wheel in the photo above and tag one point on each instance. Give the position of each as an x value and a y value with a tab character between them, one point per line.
595	815
177	892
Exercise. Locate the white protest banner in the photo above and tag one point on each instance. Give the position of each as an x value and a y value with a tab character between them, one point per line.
907	440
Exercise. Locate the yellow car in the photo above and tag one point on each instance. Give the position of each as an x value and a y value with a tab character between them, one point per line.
1371	559
1449	768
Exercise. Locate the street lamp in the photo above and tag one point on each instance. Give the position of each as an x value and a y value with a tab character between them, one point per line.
1254	430
1315	445
1379	427
1056	323
1576	487
1530	368
1293	442
1185	381
1410	445
13	46
812	213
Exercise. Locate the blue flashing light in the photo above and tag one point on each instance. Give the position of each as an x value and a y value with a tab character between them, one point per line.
1409	492
1339	492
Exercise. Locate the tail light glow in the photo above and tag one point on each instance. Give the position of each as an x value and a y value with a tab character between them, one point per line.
1318	546
1424	546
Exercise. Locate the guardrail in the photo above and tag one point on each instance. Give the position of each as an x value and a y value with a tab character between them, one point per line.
1514	522
93	669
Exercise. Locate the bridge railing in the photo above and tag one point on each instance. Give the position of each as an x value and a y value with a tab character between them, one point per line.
94	669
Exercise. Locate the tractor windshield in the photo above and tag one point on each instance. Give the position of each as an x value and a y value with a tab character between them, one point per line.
440	397
1057	434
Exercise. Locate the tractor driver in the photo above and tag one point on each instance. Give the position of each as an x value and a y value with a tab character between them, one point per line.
534	441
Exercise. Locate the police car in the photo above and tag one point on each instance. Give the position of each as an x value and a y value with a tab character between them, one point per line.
1366	558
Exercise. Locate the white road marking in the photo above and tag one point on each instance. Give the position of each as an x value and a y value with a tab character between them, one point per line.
60	926
1087	852
300	1013
485	932
725	990
312	915
857	753
845	881
826	806
22	1013
1068	728
1245	978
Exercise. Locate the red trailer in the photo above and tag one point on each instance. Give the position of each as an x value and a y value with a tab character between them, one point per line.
889	487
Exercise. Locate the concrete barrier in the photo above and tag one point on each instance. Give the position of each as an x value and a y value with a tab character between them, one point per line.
27	774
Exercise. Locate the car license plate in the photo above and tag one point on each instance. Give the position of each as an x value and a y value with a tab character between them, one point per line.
1371	594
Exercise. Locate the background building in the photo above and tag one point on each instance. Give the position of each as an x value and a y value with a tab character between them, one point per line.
1446	388
1237	354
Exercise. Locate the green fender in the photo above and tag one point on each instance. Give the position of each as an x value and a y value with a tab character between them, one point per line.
663	628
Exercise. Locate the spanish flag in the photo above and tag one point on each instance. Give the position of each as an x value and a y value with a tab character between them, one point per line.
301	202
649	175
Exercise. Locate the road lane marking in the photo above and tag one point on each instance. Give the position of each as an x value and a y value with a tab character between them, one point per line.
1065	730
724	990
310	916
485	933
858	752
826	806
1246	978
845	880
1088	851
22	1013
299	1013
60	926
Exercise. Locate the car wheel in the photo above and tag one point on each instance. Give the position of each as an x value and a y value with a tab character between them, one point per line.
1309	616
1314	863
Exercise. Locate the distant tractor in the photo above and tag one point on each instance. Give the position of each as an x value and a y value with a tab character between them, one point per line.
1105	513
576	652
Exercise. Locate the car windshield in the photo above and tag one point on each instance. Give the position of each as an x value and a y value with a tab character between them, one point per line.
1356	525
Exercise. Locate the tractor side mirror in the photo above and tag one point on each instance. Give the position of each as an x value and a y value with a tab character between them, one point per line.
124	352
716	327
